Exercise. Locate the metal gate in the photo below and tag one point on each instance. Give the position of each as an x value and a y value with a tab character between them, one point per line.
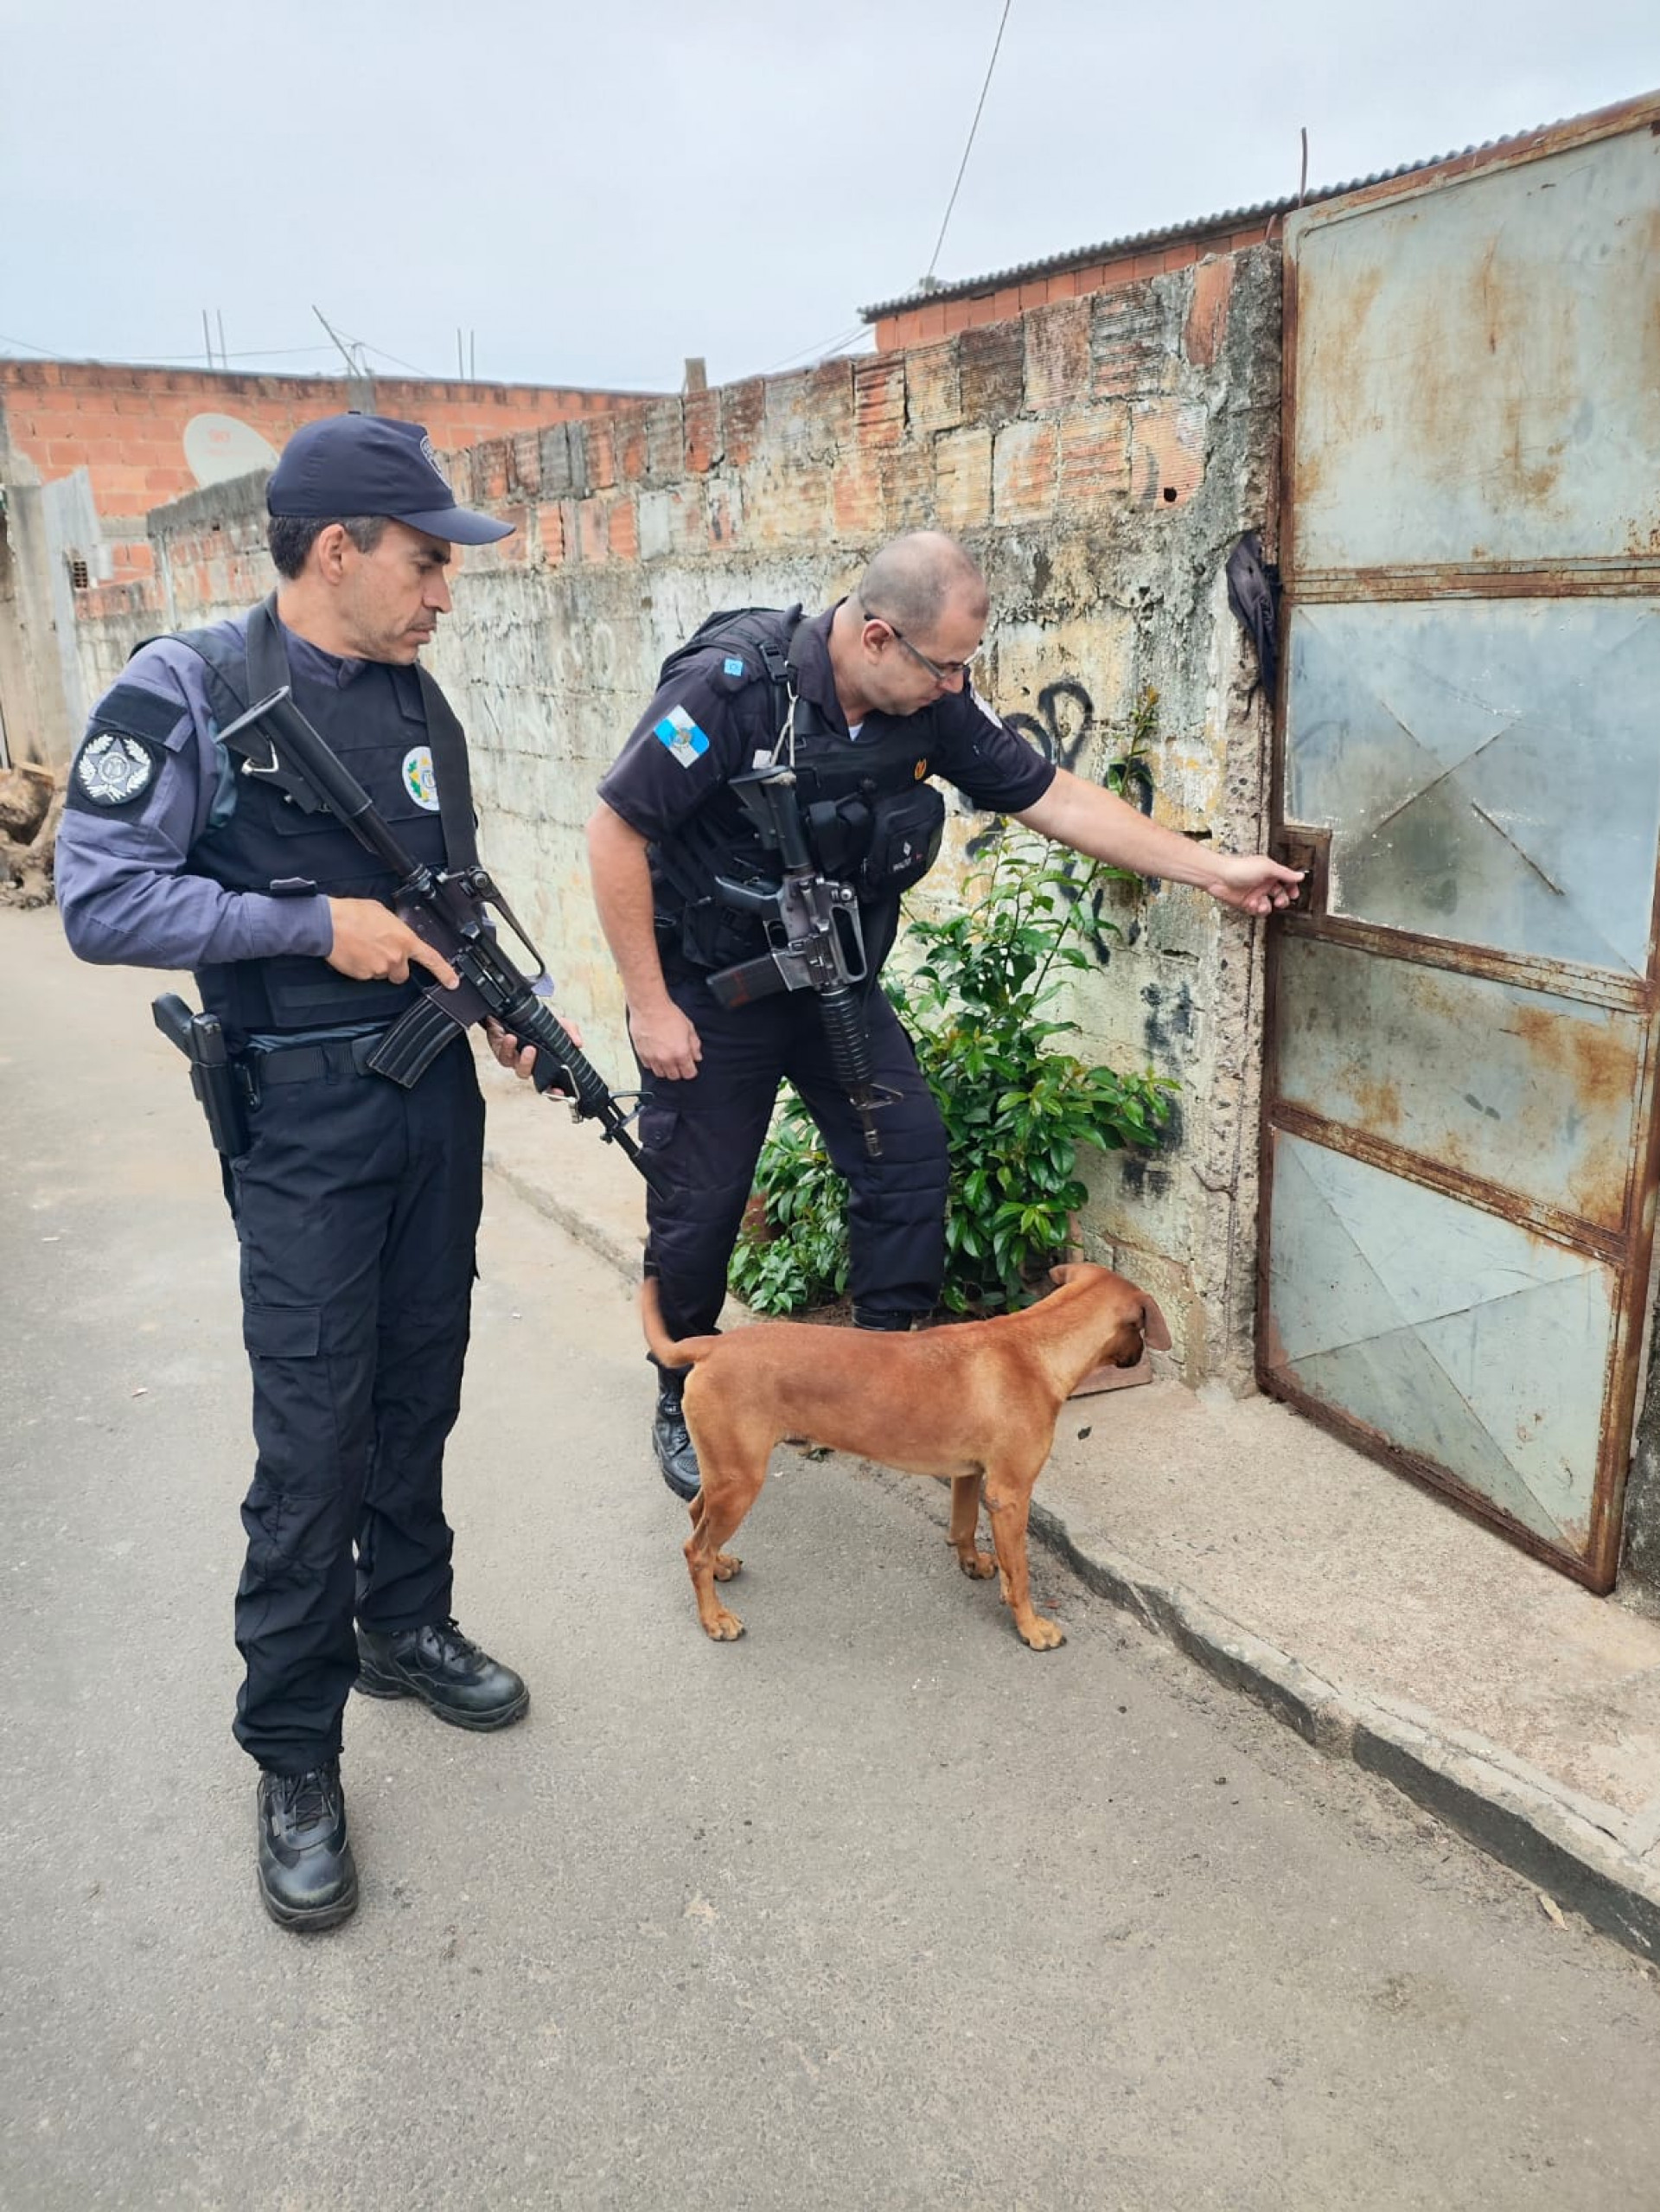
1459	1133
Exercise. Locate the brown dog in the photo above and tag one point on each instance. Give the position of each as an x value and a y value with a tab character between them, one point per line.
976	1402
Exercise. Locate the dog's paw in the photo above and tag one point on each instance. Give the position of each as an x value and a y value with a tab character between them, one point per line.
1041	1635
722	1626
980	1564
726	1565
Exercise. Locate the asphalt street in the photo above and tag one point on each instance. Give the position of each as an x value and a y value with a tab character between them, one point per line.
874	1909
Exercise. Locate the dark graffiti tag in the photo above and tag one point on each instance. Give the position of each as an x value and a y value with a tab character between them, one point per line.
1063	729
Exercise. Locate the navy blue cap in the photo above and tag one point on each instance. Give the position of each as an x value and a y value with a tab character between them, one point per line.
372	464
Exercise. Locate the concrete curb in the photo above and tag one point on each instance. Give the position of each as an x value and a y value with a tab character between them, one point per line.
1549	1838
613	1245
1577	1852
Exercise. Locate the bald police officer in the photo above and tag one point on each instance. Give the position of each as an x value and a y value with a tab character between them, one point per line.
356	1202
880	701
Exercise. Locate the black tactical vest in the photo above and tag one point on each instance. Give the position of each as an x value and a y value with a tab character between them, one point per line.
268	845
872	819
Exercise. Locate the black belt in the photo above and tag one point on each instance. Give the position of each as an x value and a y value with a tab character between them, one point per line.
331	1056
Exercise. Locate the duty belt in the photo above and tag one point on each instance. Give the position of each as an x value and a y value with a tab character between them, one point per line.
327	1056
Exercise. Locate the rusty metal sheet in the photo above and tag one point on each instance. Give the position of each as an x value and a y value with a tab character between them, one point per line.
1474	367
1461	1337
1488	769
1460	1143
1514	1088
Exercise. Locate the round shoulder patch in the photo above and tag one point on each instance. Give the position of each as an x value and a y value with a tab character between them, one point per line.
113	769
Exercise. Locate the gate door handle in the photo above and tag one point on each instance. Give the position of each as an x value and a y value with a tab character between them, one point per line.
1297	846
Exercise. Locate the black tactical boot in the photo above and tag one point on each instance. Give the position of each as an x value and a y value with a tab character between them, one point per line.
306	1876
445	1670
866	1317
670	1438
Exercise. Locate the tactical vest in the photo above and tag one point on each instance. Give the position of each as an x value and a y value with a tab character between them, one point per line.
267	845
872	819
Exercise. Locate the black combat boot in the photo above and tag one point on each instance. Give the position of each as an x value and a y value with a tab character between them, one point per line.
866	1317
306	1876
445	1670
671	1440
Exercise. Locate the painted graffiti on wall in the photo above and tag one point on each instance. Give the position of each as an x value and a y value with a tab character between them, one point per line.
1066	730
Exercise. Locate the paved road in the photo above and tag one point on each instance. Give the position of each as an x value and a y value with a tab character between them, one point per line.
873	1909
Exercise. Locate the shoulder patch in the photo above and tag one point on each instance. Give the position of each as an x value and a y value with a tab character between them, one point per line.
682	737
140	712
113	768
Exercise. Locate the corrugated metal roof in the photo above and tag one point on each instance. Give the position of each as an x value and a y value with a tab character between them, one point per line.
1113	249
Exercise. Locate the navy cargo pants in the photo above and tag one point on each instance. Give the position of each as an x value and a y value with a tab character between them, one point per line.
706	1134
357	1207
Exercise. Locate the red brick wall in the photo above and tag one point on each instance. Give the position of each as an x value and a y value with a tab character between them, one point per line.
1055	411
126	425
916	326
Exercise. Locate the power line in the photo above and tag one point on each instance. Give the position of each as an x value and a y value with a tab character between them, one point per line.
45	350
425	374
823	349
968	149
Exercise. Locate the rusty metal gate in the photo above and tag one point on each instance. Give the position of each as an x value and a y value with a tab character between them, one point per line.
1459	1127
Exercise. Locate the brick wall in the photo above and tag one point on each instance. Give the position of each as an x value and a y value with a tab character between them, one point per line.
916	325
1100	456
126	425
89	449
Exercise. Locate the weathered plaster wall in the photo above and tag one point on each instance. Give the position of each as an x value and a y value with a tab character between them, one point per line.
1100	456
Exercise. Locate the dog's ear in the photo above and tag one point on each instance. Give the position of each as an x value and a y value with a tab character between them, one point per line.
1064	1272
1155	1329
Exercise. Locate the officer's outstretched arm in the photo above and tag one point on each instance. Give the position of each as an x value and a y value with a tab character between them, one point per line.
1103	826
666	1041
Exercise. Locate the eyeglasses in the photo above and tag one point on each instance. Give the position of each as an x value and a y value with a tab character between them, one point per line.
941	671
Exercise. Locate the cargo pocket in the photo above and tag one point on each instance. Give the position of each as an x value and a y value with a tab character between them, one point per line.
660	1132
297	1402
282	1332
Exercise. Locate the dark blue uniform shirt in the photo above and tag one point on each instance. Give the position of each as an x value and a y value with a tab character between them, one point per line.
692	740
125	885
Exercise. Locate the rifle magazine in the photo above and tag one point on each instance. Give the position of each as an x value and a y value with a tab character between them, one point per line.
414	1041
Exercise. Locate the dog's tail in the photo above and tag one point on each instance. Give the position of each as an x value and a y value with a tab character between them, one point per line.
671	1352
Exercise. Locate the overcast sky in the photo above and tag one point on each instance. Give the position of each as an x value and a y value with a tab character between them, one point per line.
595	192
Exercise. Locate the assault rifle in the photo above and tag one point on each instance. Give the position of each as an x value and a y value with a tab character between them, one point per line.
816	941
447	908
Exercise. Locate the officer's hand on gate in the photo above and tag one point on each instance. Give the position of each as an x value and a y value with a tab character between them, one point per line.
667	1042
1252	883
372	945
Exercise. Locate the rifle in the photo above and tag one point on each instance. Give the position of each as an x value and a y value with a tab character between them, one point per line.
447	908
820	945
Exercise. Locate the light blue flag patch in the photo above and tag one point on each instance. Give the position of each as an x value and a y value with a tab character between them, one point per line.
682	736
732	664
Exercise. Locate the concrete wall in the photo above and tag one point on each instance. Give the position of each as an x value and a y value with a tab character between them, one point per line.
1101	456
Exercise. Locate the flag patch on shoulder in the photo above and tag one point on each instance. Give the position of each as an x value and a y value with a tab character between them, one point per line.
682	736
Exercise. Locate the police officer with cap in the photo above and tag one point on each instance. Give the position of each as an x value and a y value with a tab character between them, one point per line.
356	1201
865	703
